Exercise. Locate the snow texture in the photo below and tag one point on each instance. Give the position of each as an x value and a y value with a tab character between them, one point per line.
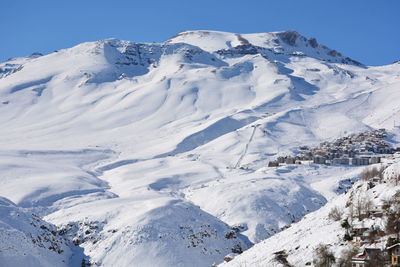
154	154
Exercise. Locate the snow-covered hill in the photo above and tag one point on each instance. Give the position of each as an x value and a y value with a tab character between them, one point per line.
26	240
301	240
158	151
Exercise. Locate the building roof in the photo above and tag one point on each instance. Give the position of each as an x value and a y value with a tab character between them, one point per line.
395	245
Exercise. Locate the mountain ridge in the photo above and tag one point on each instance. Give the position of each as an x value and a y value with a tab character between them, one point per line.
125	136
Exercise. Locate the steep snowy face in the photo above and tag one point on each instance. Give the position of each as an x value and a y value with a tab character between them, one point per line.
27	240
15	64
272	44
127	230
145	145
299	242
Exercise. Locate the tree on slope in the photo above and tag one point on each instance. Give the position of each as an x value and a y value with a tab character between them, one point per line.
323	256
346	257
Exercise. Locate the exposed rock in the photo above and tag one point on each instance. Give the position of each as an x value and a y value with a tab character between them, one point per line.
35	55
289	37
334	53
313	42
242	40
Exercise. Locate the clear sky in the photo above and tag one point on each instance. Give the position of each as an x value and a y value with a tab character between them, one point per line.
365	30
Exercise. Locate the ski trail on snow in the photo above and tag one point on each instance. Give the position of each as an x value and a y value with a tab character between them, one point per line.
247	146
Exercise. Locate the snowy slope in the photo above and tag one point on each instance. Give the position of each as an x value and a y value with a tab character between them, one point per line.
26	240
127	230
301	239
147	138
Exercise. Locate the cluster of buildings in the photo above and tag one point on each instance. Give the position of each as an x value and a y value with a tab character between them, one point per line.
357	149
380	246
368	238
377	257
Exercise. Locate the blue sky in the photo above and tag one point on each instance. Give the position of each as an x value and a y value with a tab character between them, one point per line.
365	30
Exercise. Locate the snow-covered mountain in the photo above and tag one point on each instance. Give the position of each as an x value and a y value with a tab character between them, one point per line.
155	154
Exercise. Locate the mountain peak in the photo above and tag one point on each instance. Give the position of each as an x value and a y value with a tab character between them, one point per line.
289	43
289	37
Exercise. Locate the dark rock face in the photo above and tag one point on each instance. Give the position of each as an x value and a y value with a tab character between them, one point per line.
289	37
240	50
35	55
352	61
243	41
334	53
313	42
9	69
